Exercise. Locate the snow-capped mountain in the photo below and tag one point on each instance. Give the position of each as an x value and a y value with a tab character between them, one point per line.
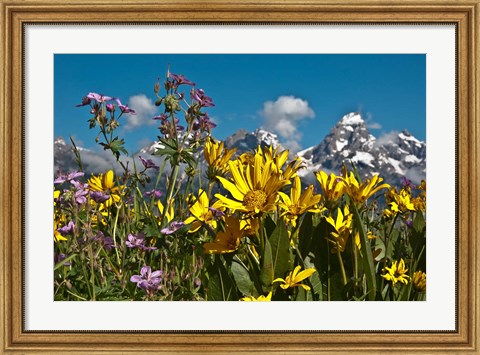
245	141
392	156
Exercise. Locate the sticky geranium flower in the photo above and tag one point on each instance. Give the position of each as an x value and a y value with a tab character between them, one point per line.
180	80
260	298
98	97
173	227
137	241
67	229
202	99
69	177
226	241
125	108
85	101
148	163
200	211
294	277
153	193
99	196
148	280
396	273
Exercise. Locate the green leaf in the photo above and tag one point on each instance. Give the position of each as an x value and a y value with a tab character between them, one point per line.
315	278
267	268
62	263
281	253
419	222
242	279
305	234
366	256
221	286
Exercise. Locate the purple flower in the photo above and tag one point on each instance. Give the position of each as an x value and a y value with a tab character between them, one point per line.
110	107
156	193
407	183
408	223
80	191
148	163
137	242
162	117
217	214
148	280
106	242
99	196
59	258
67	229
98	97
125	108
204	123
202	99
85	101
69	177
180	80
172	228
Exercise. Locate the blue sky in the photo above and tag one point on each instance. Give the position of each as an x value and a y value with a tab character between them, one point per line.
300	97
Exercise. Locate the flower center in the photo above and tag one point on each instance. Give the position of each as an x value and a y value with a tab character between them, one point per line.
255	199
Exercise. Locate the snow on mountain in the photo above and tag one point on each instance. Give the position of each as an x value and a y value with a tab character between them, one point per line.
349	141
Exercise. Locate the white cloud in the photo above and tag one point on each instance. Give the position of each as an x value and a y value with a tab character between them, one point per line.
145	109
387	137
283	116
370	123
374	125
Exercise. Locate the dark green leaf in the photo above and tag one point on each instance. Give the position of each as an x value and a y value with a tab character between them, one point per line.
281	253
242	279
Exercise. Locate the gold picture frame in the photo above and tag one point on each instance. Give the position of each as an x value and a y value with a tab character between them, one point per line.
464	14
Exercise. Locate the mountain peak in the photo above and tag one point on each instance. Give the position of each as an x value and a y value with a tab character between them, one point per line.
352	119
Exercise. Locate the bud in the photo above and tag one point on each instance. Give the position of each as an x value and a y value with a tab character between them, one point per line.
158	102
171	103
156	87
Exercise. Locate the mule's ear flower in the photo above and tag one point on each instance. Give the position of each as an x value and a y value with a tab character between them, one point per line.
260	298
228	241
396	273
293	278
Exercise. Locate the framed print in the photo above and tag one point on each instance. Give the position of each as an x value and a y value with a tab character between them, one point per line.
204	156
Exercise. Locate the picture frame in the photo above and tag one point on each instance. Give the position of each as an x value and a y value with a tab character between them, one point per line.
16	14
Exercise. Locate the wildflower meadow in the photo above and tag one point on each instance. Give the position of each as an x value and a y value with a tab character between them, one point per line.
209	224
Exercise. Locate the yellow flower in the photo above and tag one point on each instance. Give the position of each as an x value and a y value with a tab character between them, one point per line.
217	157
332	186
396	273
342	229
295	277
299	202
400	202
260	298
227	241
250	226
106	183
254	187
202	212
419	281
170	214
279	159
359	193
56	234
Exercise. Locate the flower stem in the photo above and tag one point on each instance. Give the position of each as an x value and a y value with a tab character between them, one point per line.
342	267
